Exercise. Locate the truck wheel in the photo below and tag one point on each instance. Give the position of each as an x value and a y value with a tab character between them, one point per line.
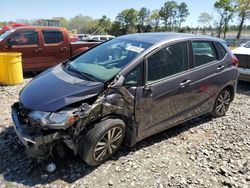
102	141
222	103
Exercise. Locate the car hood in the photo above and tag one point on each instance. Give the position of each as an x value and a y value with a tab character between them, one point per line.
241	50
55	89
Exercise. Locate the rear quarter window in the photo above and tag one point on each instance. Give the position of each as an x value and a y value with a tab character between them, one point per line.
52	37
222	52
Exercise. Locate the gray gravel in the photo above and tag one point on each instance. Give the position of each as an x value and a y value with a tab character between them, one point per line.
203	152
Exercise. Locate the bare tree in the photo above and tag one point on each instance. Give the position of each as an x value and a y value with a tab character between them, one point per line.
206	20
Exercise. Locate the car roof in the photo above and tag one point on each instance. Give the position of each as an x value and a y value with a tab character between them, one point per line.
38	27
166	36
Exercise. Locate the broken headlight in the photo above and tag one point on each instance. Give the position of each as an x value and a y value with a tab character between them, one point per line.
57	120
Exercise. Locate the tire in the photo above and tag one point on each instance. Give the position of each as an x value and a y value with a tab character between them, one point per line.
102	141
222	103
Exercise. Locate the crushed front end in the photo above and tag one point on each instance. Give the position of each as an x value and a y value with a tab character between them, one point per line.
40	139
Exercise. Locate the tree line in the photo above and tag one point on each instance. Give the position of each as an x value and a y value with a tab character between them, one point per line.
226	10
169	17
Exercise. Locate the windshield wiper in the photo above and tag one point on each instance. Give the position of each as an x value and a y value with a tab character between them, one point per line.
82	74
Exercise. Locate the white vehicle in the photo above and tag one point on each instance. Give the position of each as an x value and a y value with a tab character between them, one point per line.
101	37
243	55
82	36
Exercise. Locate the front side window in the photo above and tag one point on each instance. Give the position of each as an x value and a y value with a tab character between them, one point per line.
167	61
204	52
52	37
104	61
29	37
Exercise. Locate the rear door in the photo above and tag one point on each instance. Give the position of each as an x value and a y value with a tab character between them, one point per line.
56	47
26	42
210	73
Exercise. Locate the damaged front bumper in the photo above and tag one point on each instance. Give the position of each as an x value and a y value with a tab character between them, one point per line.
34	140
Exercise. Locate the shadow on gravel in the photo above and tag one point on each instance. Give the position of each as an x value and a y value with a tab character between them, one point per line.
16	167
243	88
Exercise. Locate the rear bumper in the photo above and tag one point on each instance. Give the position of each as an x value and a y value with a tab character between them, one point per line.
244	74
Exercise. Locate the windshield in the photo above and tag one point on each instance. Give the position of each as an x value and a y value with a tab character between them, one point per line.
5	34
247	45
106	60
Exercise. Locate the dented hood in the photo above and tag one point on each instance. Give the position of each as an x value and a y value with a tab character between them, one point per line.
55	89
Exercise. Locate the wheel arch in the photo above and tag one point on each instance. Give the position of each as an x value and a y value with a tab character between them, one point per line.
231	89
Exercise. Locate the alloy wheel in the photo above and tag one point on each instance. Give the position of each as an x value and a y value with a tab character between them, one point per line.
223	102
108	143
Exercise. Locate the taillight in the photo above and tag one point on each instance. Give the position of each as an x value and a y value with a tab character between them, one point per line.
235	61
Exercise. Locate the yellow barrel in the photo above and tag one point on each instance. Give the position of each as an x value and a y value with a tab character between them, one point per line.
11	71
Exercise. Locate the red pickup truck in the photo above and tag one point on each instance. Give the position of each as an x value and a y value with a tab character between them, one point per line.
41	47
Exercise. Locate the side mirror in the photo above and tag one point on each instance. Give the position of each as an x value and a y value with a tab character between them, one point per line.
118	82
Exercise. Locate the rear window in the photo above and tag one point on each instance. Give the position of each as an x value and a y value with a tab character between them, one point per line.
103	38
204	52
52	37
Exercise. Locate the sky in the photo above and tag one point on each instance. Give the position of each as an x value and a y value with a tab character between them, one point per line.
11	10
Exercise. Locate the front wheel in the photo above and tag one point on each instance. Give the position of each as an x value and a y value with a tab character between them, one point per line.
222	103
102	141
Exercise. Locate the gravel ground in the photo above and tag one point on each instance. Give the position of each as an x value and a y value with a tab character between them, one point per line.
203	152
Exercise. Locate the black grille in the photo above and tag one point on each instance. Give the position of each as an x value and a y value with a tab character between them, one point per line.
23	111
244	60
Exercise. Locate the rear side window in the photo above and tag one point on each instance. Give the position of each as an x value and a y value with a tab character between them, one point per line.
167	61
204	52
29	37
52	37
221	51
103	38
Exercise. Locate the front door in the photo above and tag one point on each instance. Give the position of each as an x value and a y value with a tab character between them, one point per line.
166	97
27	43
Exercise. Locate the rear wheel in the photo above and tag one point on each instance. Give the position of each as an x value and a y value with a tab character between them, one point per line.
222	103
102	141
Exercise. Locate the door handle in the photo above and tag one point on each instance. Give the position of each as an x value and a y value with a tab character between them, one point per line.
64	48
37	50
184	83
220	68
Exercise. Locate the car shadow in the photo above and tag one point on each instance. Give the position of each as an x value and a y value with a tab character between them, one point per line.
15	166
243	88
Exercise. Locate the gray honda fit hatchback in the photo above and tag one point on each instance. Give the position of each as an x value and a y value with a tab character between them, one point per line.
124	90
